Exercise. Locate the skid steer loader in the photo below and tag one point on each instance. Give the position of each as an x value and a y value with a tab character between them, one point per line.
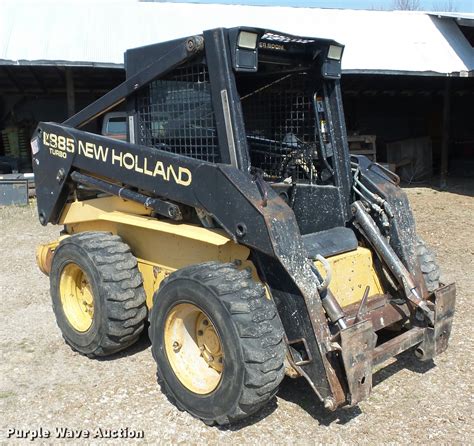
234	219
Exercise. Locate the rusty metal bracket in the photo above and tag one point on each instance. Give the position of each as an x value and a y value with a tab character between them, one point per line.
436	338
357	343
307	355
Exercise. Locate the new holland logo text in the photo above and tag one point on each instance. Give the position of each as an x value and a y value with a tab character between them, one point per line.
61	146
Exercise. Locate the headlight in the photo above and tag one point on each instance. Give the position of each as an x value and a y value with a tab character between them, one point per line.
247	40
335	52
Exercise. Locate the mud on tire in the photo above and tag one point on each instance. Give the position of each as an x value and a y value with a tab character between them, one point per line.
250	331
116	286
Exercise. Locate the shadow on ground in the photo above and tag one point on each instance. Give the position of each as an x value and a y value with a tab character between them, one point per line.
267	410
142	344
299	391
405	360
455	185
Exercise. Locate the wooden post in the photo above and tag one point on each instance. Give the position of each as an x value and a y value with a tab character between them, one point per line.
70	94
446	128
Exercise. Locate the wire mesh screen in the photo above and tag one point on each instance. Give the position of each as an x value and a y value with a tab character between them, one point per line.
175	114
280	123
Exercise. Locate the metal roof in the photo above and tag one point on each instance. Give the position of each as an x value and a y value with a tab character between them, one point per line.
85	33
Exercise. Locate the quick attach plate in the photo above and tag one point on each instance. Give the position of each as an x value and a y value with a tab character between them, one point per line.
358	342
436	338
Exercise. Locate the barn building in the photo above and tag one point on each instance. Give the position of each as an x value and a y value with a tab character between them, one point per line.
408	77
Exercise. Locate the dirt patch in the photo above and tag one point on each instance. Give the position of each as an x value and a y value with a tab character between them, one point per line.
44	384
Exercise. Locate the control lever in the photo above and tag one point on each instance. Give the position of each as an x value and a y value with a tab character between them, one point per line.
363	306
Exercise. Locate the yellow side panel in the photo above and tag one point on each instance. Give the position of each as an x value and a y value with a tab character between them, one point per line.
161	247
116	210
152	276
90	209
164	248
159	252
351	273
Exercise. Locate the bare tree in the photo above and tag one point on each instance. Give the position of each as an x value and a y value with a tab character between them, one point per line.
378	7
407	5
446	5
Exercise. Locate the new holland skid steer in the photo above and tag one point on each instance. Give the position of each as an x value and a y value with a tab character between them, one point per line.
234	220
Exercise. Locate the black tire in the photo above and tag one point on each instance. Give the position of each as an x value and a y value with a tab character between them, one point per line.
429	266
250	332
116	286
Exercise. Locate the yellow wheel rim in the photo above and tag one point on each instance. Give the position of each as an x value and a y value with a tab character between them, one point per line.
77	299
193	348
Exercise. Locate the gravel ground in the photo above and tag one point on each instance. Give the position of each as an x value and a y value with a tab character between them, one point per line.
44	384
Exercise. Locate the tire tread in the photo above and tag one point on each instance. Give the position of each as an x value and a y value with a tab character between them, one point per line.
122	285
259	329
428	265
